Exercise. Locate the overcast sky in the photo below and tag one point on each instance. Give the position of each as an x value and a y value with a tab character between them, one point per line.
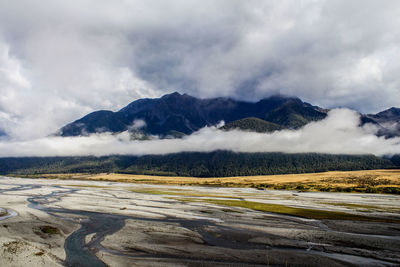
60	60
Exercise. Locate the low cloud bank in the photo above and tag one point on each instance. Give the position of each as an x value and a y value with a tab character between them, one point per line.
339	133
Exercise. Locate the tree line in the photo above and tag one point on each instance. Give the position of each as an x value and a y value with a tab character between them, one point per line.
198	164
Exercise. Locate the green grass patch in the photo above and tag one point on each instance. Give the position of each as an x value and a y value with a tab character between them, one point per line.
299	212
47	229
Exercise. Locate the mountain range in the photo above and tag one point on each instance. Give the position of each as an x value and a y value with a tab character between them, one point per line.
175	115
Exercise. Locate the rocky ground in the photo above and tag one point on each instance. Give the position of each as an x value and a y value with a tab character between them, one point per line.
92	223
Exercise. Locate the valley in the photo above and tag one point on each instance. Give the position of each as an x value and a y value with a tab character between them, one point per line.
54	222
199	133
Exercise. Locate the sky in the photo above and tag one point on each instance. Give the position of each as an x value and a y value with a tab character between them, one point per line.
60	60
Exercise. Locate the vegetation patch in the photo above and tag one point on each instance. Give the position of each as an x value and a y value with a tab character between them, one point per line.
14	247
299	212
195	164
40	253
374	181
366	181
46	230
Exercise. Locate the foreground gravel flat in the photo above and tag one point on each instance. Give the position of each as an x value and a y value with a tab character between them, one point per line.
93	223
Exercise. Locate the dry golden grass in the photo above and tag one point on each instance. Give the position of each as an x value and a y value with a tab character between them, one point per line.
371	181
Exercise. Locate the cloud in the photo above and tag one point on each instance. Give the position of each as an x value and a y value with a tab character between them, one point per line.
137	124
339	133
60	60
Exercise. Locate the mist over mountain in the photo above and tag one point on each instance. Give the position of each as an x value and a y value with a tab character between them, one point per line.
175	115
389	120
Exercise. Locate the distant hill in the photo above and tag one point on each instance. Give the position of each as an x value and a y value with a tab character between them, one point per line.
175	115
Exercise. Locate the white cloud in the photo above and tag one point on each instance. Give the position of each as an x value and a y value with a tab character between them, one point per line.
138	124
339	133
60	87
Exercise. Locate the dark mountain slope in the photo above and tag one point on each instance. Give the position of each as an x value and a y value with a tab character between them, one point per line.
294	114
186	114
96	122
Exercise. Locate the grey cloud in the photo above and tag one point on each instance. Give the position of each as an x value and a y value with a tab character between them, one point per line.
62	59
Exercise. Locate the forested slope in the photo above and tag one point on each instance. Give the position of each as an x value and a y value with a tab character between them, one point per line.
213	164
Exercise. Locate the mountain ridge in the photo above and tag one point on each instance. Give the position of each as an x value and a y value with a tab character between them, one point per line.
183	114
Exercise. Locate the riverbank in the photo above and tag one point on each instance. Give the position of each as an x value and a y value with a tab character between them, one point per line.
26	236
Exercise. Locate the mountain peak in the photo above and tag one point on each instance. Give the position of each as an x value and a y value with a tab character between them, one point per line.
392	113
177	96
185	114
174	94
394	110
281	97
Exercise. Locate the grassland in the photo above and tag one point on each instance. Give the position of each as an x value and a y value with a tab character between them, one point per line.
367	181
